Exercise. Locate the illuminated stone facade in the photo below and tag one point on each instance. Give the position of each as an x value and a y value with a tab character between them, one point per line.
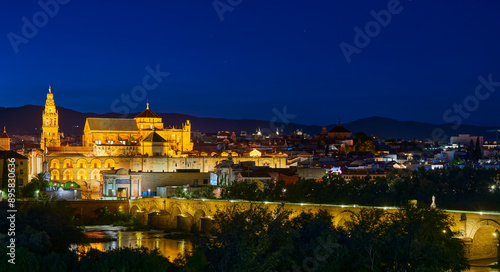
4	141
76	167
50	124
143	135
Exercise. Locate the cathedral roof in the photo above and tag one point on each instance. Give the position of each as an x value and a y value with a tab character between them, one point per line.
147	113
339	128
112	124
154	137
4	134
11	154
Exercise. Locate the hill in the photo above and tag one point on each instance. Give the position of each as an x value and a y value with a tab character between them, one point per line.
27	120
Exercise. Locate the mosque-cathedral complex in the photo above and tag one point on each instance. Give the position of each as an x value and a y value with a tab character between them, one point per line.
139	145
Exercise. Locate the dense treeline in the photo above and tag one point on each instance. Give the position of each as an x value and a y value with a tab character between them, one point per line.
252	239
454	188
259	239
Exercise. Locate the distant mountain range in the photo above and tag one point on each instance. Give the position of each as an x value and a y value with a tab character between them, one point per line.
28	120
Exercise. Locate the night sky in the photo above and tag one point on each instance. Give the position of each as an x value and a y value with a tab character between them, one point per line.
263	55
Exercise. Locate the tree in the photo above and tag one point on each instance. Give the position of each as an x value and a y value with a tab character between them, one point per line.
5	178
37	183
477	150
363	143
470	150
246	189
410	239
360	137
421	240
249	239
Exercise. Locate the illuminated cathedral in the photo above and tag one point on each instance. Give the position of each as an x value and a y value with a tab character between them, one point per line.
143	135
139	145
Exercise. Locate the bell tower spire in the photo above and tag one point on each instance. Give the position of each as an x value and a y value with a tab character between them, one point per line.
50	123
4	140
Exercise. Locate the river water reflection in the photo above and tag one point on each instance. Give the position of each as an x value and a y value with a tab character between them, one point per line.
170	248
152	239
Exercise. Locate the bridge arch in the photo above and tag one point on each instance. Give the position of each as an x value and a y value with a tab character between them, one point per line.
198	215
484	239
153	208
134	210
342	217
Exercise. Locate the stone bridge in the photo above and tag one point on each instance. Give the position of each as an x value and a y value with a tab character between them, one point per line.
476	229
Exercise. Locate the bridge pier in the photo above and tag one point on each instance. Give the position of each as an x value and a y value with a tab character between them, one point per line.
206	224
184	222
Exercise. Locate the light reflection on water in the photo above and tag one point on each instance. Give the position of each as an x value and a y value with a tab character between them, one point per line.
169	248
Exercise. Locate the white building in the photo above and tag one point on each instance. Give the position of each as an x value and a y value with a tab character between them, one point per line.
464	139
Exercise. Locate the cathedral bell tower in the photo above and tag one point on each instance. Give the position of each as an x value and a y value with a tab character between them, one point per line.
50	126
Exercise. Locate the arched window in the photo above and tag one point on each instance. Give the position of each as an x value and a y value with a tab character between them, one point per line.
54	175
68	175
81	175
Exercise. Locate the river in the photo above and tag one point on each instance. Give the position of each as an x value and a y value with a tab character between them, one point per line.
170	248
152	239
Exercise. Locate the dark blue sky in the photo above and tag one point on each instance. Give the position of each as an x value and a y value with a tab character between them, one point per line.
263	55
